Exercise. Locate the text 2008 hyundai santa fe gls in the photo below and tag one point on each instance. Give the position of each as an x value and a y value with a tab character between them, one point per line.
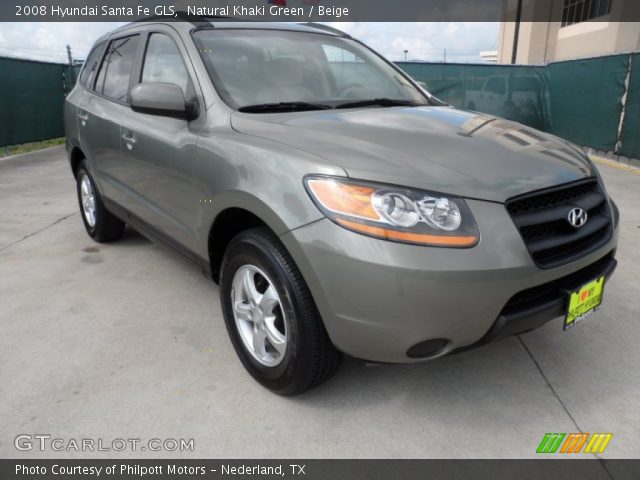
340	207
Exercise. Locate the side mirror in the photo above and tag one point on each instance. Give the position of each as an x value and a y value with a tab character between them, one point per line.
423	85
165	99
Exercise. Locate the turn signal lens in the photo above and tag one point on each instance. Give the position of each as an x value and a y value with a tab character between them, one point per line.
419	238
343	198
394	213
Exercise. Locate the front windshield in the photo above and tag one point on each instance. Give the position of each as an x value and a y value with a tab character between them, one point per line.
257	67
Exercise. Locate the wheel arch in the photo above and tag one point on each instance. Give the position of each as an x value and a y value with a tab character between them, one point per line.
238	210
227	224
75	158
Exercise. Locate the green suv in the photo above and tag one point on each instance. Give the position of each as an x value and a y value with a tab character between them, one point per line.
340	207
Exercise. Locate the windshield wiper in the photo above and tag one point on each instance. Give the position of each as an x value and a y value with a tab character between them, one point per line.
283	107
382	102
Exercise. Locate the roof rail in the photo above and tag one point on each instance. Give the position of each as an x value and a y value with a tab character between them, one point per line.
181	16
326	28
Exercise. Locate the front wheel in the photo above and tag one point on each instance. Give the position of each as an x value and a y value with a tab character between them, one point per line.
271	317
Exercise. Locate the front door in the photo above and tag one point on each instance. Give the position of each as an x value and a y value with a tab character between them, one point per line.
158	151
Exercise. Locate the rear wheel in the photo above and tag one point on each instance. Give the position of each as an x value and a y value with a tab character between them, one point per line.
100	224
271	318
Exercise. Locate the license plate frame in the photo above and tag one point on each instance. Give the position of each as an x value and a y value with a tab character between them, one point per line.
583	302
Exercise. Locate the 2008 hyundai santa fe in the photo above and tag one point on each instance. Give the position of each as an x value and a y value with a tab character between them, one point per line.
340	207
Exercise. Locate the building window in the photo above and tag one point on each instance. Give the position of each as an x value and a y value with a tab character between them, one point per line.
576	11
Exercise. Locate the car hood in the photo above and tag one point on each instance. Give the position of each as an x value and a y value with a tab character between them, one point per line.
432	148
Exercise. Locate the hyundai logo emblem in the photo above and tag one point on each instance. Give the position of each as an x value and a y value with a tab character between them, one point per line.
577	217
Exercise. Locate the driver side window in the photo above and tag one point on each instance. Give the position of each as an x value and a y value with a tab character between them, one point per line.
163	63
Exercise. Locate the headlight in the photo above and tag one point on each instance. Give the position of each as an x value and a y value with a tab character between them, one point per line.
395	213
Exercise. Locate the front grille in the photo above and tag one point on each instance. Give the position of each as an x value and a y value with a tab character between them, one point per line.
541	218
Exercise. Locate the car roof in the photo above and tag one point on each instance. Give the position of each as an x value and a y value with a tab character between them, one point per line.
186	24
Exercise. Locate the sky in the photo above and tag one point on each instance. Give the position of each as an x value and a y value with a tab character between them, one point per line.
424	41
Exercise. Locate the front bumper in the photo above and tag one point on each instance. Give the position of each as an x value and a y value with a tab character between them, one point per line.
378	299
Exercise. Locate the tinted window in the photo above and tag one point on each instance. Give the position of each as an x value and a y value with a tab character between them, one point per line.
163	62
91	65
115	72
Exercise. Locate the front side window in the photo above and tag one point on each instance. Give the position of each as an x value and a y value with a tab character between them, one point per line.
115	72
251	67
163	62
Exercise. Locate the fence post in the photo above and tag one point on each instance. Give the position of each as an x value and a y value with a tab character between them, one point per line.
623	112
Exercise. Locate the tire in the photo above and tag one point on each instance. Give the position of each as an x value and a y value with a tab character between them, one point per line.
102	226
307	358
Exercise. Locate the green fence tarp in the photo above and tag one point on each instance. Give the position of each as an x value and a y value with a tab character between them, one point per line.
630	140
31	99
513	92
585	99
579	100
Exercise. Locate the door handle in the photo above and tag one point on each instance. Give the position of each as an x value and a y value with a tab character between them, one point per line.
129	139
83	116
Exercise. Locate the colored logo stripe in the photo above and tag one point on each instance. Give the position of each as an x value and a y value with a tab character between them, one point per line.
598	442
574	443
550	443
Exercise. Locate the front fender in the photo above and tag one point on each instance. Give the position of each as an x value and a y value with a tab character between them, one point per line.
234	170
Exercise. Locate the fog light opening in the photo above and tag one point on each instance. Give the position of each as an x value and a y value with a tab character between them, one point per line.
428	348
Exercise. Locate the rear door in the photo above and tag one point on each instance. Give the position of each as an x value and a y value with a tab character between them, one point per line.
101	113
158	151
76	101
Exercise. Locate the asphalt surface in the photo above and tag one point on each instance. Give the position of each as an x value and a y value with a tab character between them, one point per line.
126	340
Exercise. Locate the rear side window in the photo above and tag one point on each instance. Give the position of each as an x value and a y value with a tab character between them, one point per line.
163	62
115	72
91	65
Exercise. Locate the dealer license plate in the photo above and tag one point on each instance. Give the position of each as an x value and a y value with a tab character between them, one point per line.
584	302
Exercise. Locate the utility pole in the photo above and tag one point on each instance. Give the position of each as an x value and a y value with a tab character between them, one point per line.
405	55
516	33
73	80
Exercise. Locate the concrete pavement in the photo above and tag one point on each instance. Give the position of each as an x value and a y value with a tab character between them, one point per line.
126	340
